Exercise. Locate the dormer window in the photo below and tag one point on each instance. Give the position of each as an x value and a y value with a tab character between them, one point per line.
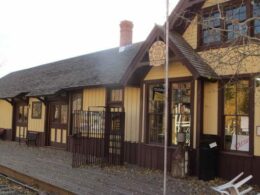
211	28
226	22
234	17
256	13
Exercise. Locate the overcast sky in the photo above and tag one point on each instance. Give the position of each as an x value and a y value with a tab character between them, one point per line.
35	32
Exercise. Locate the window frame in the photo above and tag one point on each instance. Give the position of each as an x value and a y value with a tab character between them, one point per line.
221	115
33	115
112	103
223	7
146	108
74	96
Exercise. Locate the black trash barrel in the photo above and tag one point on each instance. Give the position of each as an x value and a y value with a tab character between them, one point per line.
208	160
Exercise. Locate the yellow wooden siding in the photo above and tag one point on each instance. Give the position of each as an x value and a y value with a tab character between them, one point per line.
257	121
94	97
209	3
132	113
6	114
210	114
176	69
36	124
191	33
53	135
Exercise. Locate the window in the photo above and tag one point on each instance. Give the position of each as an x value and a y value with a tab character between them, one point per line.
228	22
22	114
234	16
36	110
76	102
64	114
181	111
211	28
56	113
156	114
116	95
256	13
236	116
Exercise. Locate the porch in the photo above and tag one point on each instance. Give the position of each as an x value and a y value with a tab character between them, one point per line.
54	167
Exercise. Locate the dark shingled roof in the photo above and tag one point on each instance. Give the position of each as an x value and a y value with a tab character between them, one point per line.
95	69
201	67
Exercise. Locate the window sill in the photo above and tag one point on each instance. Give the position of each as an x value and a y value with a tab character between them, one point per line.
236	153
160	145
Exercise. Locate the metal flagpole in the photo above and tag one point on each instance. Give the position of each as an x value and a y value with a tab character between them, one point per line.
166	98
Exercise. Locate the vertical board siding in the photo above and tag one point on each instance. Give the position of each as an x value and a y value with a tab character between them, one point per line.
6	113
132	113
94	97
36	124
257	121
176	69
210	107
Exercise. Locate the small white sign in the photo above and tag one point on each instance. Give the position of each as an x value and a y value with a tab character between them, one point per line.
213	145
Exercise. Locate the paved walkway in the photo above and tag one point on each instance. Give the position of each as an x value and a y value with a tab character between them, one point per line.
54	166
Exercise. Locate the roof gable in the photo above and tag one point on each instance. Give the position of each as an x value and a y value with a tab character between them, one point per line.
179	48
186	9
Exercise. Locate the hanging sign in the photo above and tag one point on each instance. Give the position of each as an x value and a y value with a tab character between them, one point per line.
157	54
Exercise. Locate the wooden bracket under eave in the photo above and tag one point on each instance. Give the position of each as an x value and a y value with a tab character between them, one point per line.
42	100
9	100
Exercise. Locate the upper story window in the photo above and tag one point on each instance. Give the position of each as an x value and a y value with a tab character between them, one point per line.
211	28
256	13
229	21
234	17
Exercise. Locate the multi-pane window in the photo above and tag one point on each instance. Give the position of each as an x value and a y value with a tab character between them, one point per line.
234	17
22	114
181	111
64	114
116	95
211	25
256	13
227	22
76	102
156	114
236	115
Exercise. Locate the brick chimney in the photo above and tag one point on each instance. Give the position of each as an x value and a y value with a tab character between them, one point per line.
126	33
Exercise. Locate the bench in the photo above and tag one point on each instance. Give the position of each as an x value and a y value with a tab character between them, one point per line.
2	133
32	137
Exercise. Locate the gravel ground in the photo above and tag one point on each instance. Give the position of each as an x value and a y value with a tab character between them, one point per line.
54	166
8	187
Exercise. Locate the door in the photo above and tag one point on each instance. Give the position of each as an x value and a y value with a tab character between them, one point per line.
58	124
21	121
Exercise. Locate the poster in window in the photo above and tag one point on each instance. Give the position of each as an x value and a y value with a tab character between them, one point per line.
158	94
240	143
36	110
